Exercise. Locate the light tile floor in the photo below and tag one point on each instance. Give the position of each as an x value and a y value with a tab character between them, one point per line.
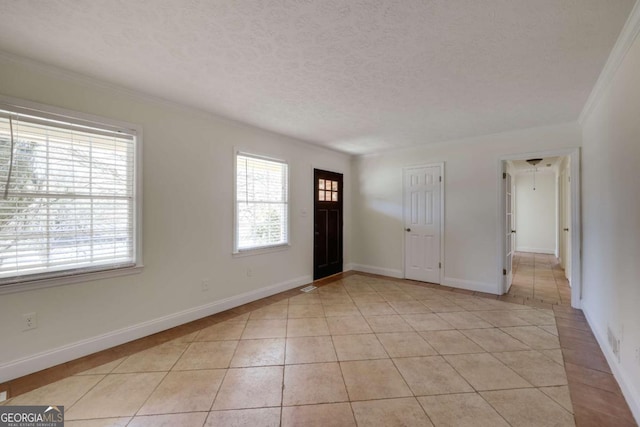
539	276
359	351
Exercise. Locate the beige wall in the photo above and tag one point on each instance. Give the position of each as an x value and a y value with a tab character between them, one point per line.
611	221
471	187
188	220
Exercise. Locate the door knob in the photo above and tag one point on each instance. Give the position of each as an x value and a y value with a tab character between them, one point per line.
513	231
408	229
566	229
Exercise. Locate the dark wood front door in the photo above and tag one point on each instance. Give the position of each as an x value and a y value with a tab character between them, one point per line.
327	242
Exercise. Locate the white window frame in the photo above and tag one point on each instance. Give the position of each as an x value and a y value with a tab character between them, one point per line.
259	249
68	277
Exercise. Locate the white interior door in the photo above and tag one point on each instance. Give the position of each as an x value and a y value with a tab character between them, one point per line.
509	231
422	213
566	225
562	236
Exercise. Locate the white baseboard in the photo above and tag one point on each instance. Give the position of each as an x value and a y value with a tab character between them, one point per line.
490	288
347	267
629	391
536	250
28	365
448	281
390	272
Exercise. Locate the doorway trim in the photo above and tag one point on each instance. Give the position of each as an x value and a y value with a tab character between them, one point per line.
308	213
442	219
576	226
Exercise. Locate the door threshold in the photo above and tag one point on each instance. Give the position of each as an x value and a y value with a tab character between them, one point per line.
331	276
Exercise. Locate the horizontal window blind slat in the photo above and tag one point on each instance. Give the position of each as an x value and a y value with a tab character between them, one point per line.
261	202
67	272
70	200
70	196
55	121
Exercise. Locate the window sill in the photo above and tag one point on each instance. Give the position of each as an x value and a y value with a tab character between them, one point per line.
260	251
67	280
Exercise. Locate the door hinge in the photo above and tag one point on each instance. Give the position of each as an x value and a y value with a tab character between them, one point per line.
440	179
504	271
439	265
504	175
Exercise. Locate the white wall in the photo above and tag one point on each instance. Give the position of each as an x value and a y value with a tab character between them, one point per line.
188	217
471	185
536	212
611	220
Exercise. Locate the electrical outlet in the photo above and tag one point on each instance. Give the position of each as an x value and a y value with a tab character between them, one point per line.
614	343
249	272
29	321
205	285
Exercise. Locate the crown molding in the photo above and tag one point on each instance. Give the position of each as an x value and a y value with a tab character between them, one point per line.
626	38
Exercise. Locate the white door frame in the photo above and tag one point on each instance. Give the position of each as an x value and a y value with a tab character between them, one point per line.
308	209
559	213
512	236
575	225
404	216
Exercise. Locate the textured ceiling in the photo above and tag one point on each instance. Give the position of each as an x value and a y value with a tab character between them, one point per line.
354	75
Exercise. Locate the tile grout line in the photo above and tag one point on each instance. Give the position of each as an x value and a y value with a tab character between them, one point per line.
284	366
160	382
493	407
325	317
226	371
96	384
91	388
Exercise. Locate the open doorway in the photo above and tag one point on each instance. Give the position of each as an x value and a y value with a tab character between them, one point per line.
538	208
539	213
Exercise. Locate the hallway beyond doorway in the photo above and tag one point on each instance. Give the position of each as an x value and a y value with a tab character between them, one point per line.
539	276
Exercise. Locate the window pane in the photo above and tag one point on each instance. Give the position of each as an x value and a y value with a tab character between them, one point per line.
70	202
334	185
260	180
327	195
321	184
321	195
262	200
334	196
261	224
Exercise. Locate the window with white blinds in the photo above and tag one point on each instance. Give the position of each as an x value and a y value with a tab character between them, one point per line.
67	197
262	202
